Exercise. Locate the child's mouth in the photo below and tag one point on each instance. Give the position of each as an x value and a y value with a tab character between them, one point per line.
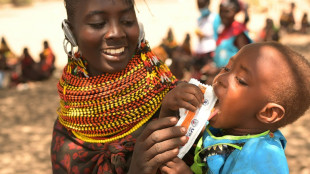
215	111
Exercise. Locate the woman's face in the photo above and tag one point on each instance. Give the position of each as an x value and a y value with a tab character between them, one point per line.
107	34
227	14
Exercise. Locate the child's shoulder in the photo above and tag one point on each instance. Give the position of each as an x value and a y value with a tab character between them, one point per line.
270	142
264	154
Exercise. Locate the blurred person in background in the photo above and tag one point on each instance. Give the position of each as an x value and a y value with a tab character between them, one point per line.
287	20
269	33
230	36
10	65
304	23
29	67
47	61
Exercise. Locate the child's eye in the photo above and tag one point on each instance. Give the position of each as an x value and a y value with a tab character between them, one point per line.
226	69
241	81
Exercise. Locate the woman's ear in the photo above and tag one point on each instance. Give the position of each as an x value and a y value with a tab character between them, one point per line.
271	113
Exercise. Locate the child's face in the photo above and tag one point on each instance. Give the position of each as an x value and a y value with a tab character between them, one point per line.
107	34
243	85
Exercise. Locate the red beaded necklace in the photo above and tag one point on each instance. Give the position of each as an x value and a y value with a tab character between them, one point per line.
108	107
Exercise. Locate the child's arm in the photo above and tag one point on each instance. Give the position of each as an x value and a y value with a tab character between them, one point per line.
184	95
175	166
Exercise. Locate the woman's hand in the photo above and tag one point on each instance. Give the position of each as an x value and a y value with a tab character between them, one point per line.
158	143
184	95
176	166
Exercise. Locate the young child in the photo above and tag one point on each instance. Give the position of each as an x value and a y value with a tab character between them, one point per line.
264	87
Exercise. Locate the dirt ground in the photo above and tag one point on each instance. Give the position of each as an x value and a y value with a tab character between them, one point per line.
27	113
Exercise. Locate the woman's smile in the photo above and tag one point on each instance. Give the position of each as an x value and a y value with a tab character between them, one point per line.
114	54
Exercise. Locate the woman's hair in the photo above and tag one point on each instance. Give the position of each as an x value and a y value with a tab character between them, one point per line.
234	3
71	6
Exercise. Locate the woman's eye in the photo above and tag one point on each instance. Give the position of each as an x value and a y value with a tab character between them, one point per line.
97	25
128	22
241	81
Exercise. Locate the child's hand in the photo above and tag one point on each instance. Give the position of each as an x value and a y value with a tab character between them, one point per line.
185	95
175	166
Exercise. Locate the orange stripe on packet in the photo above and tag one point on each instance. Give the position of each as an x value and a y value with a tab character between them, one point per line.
190	115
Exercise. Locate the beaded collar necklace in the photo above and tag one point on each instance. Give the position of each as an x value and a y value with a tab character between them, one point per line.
108	107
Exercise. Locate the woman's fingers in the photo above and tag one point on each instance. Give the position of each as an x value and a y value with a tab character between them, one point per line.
164	146
155	125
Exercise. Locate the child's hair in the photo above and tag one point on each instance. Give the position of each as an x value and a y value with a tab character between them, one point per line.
292	93
72	4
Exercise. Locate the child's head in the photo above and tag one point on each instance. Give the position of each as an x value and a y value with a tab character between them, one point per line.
228	10
264	86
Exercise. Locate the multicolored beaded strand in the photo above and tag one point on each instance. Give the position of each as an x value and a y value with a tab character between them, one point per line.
108	107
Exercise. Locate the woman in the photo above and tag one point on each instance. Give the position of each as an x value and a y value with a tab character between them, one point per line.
47	61
231	35
110	90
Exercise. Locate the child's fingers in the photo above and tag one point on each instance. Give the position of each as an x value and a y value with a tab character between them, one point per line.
188	105
195	91
198	94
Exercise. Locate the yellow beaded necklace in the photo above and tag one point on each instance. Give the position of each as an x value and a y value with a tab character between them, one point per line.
108	107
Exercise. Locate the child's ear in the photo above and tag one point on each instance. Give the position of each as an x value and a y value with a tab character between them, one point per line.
271	113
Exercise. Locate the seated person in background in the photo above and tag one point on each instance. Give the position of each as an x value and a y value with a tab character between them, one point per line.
269	32
255	99
6	54
287	20
304	23
29	67
10	63
47	61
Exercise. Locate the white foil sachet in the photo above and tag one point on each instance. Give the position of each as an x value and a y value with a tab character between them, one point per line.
195	122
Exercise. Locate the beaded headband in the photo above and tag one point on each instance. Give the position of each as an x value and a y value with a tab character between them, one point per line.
108	107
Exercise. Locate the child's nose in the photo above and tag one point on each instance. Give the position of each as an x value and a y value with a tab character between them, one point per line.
222	80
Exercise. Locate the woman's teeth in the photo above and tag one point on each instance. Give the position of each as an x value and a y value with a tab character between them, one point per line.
114	51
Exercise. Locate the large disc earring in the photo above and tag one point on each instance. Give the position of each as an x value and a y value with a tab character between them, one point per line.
141	34
72	51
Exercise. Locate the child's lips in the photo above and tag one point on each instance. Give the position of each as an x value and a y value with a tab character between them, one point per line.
215	111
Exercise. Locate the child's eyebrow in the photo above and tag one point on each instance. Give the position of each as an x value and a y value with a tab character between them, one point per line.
245	69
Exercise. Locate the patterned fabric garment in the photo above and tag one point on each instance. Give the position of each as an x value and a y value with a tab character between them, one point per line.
49	59
262	153
71	155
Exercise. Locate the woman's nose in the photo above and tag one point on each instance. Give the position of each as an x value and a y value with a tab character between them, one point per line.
114	31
